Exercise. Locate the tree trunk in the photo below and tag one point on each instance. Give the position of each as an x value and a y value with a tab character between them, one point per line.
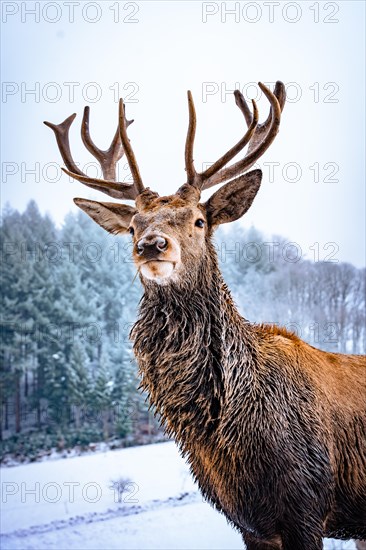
26	383
1	421
38	391
105	414
6	404
77	416
17	405
38	408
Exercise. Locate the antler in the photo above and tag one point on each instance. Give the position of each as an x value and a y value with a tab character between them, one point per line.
259	137
108	159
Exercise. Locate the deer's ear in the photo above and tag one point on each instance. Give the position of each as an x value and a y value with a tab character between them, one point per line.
113	217
232	200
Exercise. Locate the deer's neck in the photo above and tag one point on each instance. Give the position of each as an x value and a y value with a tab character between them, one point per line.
185	341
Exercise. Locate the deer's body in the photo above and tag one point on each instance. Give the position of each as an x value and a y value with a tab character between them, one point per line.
274	429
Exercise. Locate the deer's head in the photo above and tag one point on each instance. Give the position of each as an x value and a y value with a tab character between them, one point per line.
171	233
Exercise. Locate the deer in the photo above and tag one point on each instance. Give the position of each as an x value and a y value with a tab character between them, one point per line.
273	429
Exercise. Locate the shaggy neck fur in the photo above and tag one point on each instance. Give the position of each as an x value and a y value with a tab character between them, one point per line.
253	410
184	339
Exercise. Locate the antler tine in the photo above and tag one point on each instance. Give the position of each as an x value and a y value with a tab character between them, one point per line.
114	189
280	93
243	106
261	139
139	186
62	137
198	179
190	169
234	150
109	158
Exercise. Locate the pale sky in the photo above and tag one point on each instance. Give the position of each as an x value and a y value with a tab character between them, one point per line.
59	56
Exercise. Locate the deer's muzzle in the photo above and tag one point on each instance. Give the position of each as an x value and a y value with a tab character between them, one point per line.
157	256
151	247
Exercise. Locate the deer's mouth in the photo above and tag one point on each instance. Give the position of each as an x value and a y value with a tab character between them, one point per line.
157	270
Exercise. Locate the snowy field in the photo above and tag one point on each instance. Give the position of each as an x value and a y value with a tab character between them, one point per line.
136	498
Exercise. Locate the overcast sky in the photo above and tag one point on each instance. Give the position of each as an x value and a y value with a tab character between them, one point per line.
59	56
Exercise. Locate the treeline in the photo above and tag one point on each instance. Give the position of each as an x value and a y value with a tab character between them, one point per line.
310	292
68	301
70	295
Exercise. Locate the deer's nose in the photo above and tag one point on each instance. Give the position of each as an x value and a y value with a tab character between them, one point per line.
151	245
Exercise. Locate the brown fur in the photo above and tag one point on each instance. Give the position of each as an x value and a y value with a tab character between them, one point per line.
274	430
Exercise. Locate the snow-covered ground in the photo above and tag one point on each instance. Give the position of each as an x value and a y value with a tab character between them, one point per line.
75	504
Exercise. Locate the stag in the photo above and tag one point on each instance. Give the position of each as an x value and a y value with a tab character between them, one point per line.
274	430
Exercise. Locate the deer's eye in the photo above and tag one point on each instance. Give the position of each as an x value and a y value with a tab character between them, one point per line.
200	223
131	231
